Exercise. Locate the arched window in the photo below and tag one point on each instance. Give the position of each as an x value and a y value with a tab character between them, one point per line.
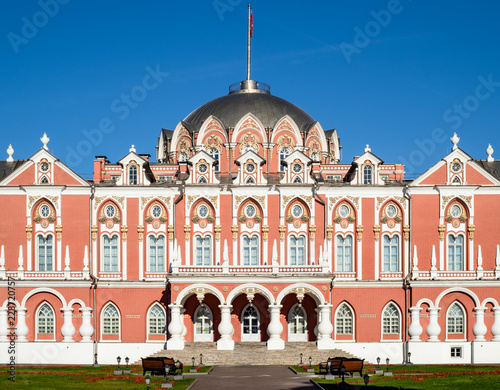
45	248
44	180
111	320
250	180
390	320
203	324
344	254
110	254
455	253
203	250
297	250
297	323
132	175
367	174
250	324
156	254
391	253
297	180
344	320
202	180
455	319
250	250
284	153
156	320
45	320
214	152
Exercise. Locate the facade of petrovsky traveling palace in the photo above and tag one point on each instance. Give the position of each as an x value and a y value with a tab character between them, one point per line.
248	228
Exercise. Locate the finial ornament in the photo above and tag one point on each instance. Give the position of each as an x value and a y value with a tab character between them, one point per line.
10	152
454	140
45	140
367	149
132	149
489	152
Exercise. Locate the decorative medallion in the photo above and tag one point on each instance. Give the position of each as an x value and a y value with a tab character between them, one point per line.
344	224
225	288
109	224
156	224
250	224
176	288
390	224
203	224
324	288
275	288
45	223
296	223
456	223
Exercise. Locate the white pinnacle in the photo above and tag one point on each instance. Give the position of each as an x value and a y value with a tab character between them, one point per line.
10	152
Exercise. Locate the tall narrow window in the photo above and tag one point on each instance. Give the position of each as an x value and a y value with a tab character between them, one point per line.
297	250
391	253
344	320
214	152
156	320
455	319
203	248
250	250
111	320
390	320
367	174
110	254
203	321
284	153
45	253
157	254
344	254
46	318
132	175
455	253
297	323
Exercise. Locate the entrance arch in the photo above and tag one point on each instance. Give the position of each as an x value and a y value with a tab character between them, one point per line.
203	324
250	323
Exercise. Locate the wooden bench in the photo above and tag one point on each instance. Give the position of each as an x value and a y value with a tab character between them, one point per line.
156	365
335	364
351	365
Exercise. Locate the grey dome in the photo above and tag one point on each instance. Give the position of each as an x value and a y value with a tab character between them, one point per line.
231	108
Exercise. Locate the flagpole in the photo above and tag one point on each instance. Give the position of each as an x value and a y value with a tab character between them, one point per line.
249	37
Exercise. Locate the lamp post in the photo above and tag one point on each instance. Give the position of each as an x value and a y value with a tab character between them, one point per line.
329	375
201	360
387	372
378	371
310	369
95	360
342	371
147	378
192	367
366	379
127	370
408	362
167	383
178	370
118	371
301	363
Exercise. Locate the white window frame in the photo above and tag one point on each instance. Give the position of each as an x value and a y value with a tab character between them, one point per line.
110	238
464	325
448	268
111	325
196	245
367	176
37	319
400	325
337	253
337	312
282	156
290	250
130	175
391	246
297	336
204	337
149	318
156	246
215	154
246	336
243	246
37	252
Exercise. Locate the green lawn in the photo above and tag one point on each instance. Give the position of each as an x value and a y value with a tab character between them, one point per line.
82	377
424	377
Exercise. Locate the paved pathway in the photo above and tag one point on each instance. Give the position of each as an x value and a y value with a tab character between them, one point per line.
252	377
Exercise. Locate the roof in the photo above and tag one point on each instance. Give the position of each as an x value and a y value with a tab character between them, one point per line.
492	167
7	167
231	108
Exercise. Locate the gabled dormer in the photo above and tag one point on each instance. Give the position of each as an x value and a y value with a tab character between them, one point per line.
203	168
135	169
366	169
297	171
250	168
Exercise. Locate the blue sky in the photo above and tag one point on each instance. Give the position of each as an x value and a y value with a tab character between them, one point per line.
401	76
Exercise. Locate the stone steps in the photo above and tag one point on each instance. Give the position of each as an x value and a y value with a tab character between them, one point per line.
251	353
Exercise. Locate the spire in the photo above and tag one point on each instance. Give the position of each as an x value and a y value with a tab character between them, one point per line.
250	33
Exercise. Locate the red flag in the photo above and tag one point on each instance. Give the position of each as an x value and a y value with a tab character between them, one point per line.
251	24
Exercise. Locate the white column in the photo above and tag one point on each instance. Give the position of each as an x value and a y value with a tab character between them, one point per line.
68	330
275	328
86	329
225	328
495	328
318	317
184	329
479	328
21	328
4	327
415	329
175	328
433	329
325	328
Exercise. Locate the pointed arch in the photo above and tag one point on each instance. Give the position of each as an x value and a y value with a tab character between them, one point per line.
456	321
284	125
344	320
110	321
45	322
211	125
245	123
156	320
391	321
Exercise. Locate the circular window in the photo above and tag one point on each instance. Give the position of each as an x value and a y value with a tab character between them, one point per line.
156	211
110	211
250	211
203	211
250	167
202	168
44	211
44	167
391	211
297	167
456	211
344	211
456	167
297	211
